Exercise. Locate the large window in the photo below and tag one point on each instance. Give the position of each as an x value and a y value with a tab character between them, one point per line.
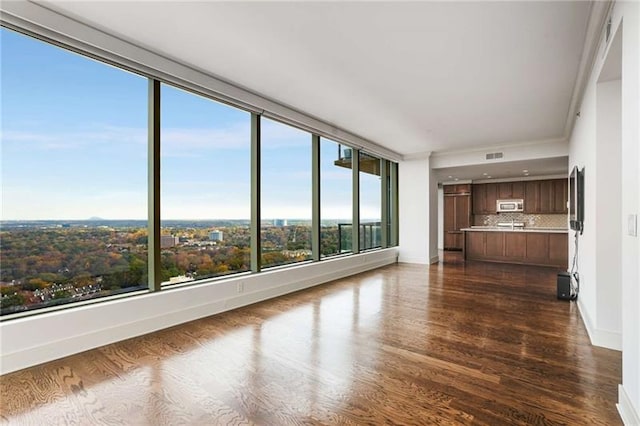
336	195
205	187
74	177
78	163
285	194
370	201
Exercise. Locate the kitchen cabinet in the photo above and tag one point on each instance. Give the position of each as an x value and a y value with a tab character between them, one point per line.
490	198
462	189
532	196
457	215
475	243
484	197
560	196
494	244
510	190
537	248
558	248
515	245
477	196
546	196
521	247
540	196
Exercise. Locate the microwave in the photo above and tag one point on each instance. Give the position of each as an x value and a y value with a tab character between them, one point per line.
506	206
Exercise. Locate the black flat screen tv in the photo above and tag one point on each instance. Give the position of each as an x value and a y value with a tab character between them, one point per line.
576	199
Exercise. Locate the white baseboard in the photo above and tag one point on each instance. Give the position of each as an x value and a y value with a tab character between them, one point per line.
417	260
629	414
134	316
434	259
603	338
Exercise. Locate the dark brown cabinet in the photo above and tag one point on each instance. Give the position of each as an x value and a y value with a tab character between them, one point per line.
477	196
537	248
546	196
462	189
484	197
515	245
490	198
558	248
475	243
531	248
494	244
560	196
457	215
532	196
510	190
540	196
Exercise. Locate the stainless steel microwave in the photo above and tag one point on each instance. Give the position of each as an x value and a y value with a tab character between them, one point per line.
506	206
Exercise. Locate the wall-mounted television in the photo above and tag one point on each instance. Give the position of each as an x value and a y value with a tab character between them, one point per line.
576	199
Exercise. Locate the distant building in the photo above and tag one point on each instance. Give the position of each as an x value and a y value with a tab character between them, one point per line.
168	241
280	222
216	235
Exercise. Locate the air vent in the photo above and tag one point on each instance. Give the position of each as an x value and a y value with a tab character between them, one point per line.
494	155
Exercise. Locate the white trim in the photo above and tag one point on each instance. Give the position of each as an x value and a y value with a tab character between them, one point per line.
417	156
522	178
42	338
598	337
39	20
598	14
434	259
498	147
628	413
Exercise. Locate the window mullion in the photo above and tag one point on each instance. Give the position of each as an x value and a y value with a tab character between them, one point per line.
355	174
384	201
256	248
153	189
315	204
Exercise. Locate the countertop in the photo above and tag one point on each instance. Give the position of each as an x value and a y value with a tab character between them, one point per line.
501	229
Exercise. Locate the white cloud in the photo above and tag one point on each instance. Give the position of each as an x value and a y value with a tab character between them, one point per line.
185	142
99	134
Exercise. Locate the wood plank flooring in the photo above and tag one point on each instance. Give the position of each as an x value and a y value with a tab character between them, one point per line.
454	343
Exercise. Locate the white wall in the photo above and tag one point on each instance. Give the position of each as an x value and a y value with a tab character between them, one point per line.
629	12
440	218
40	338
608	221
433	217
595	307
415	227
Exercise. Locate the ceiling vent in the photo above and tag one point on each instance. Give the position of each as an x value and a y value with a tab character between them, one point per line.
494	155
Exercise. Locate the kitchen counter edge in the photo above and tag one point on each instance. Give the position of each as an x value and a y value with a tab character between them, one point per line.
540	230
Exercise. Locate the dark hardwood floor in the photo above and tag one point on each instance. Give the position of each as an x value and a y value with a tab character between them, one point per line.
454	343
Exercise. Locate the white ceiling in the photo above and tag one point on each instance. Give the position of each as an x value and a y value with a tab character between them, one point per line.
411	76
506	170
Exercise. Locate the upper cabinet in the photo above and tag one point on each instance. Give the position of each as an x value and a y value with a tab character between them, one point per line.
510	190
540	196
546	196
478	195
485	195
560	196
464	188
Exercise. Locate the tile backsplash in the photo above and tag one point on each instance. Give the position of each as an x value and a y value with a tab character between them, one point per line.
530	220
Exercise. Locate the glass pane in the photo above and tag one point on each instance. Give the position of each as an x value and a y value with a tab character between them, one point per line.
335	198
205	186
370	201
285	194
74	177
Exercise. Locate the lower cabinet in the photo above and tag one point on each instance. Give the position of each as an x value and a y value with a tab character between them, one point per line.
531	248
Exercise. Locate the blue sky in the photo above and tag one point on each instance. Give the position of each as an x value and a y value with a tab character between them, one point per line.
74	146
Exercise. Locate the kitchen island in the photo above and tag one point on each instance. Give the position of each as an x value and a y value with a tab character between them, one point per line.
527	246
